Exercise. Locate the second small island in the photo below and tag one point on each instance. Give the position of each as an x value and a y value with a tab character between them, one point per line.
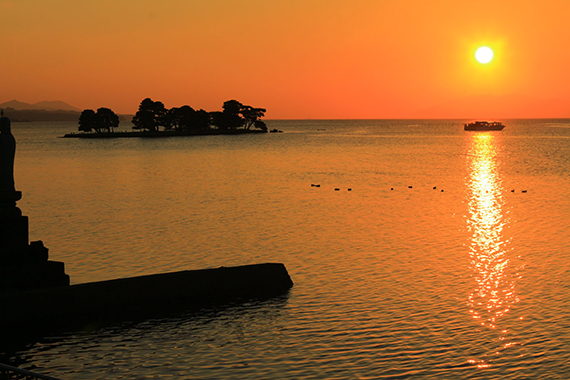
154	120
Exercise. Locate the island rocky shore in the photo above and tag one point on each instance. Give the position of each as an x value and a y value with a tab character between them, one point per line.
104	135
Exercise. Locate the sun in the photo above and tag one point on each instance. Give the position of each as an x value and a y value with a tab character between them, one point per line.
484	54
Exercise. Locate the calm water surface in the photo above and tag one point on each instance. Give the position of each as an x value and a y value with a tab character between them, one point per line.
446	259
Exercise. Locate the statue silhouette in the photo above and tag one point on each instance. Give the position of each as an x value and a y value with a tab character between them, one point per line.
7	154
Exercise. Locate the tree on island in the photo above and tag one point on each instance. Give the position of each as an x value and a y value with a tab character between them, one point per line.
185	118
87	121
202	120
150	116
236	115
252	117
230	117
104	120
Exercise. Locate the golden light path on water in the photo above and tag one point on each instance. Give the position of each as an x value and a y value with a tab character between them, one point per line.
489	248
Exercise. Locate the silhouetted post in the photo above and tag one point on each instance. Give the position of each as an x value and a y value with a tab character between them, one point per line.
14	226
7	153
23	265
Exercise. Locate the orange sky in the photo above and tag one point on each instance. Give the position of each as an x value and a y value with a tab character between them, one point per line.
297	58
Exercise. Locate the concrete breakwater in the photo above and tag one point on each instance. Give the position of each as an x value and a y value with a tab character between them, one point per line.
35	293
90	304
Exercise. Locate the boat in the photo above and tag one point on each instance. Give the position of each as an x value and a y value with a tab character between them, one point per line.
484	126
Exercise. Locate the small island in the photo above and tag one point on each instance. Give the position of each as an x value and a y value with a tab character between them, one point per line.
154	120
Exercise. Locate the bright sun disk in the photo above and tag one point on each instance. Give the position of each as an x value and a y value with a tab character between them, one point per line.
484	54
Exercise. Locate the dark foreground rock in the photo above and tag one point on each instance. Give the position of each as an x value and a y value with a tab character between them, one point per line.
83	305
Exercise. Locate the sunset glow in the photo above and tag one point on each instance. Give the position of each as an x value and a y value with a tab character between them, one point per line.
297	59
284	189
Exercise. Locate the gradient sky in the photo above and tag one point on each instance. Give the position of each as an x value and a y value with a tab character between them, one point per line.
297	58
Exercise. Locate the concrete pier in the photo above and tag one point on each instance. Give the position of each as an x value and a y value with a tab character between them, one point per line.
91	304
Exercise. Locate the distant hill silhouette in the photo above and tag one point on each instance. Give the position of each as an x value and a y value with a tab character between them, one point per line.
54	110
54	105
43	115
40	115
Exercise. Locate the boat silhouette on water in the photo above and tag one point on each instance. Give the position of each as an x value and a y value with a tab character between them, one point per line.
484	126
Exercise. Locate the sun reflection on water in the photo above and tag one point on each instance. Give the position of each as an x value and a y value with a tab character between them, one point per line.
495	293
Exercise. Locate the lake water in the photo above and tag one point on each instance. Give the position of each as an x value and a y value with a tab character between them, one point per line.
448	258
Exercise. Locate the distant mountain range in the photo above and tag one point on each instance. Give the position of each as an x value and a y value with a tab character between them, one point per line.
55	110
55	105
